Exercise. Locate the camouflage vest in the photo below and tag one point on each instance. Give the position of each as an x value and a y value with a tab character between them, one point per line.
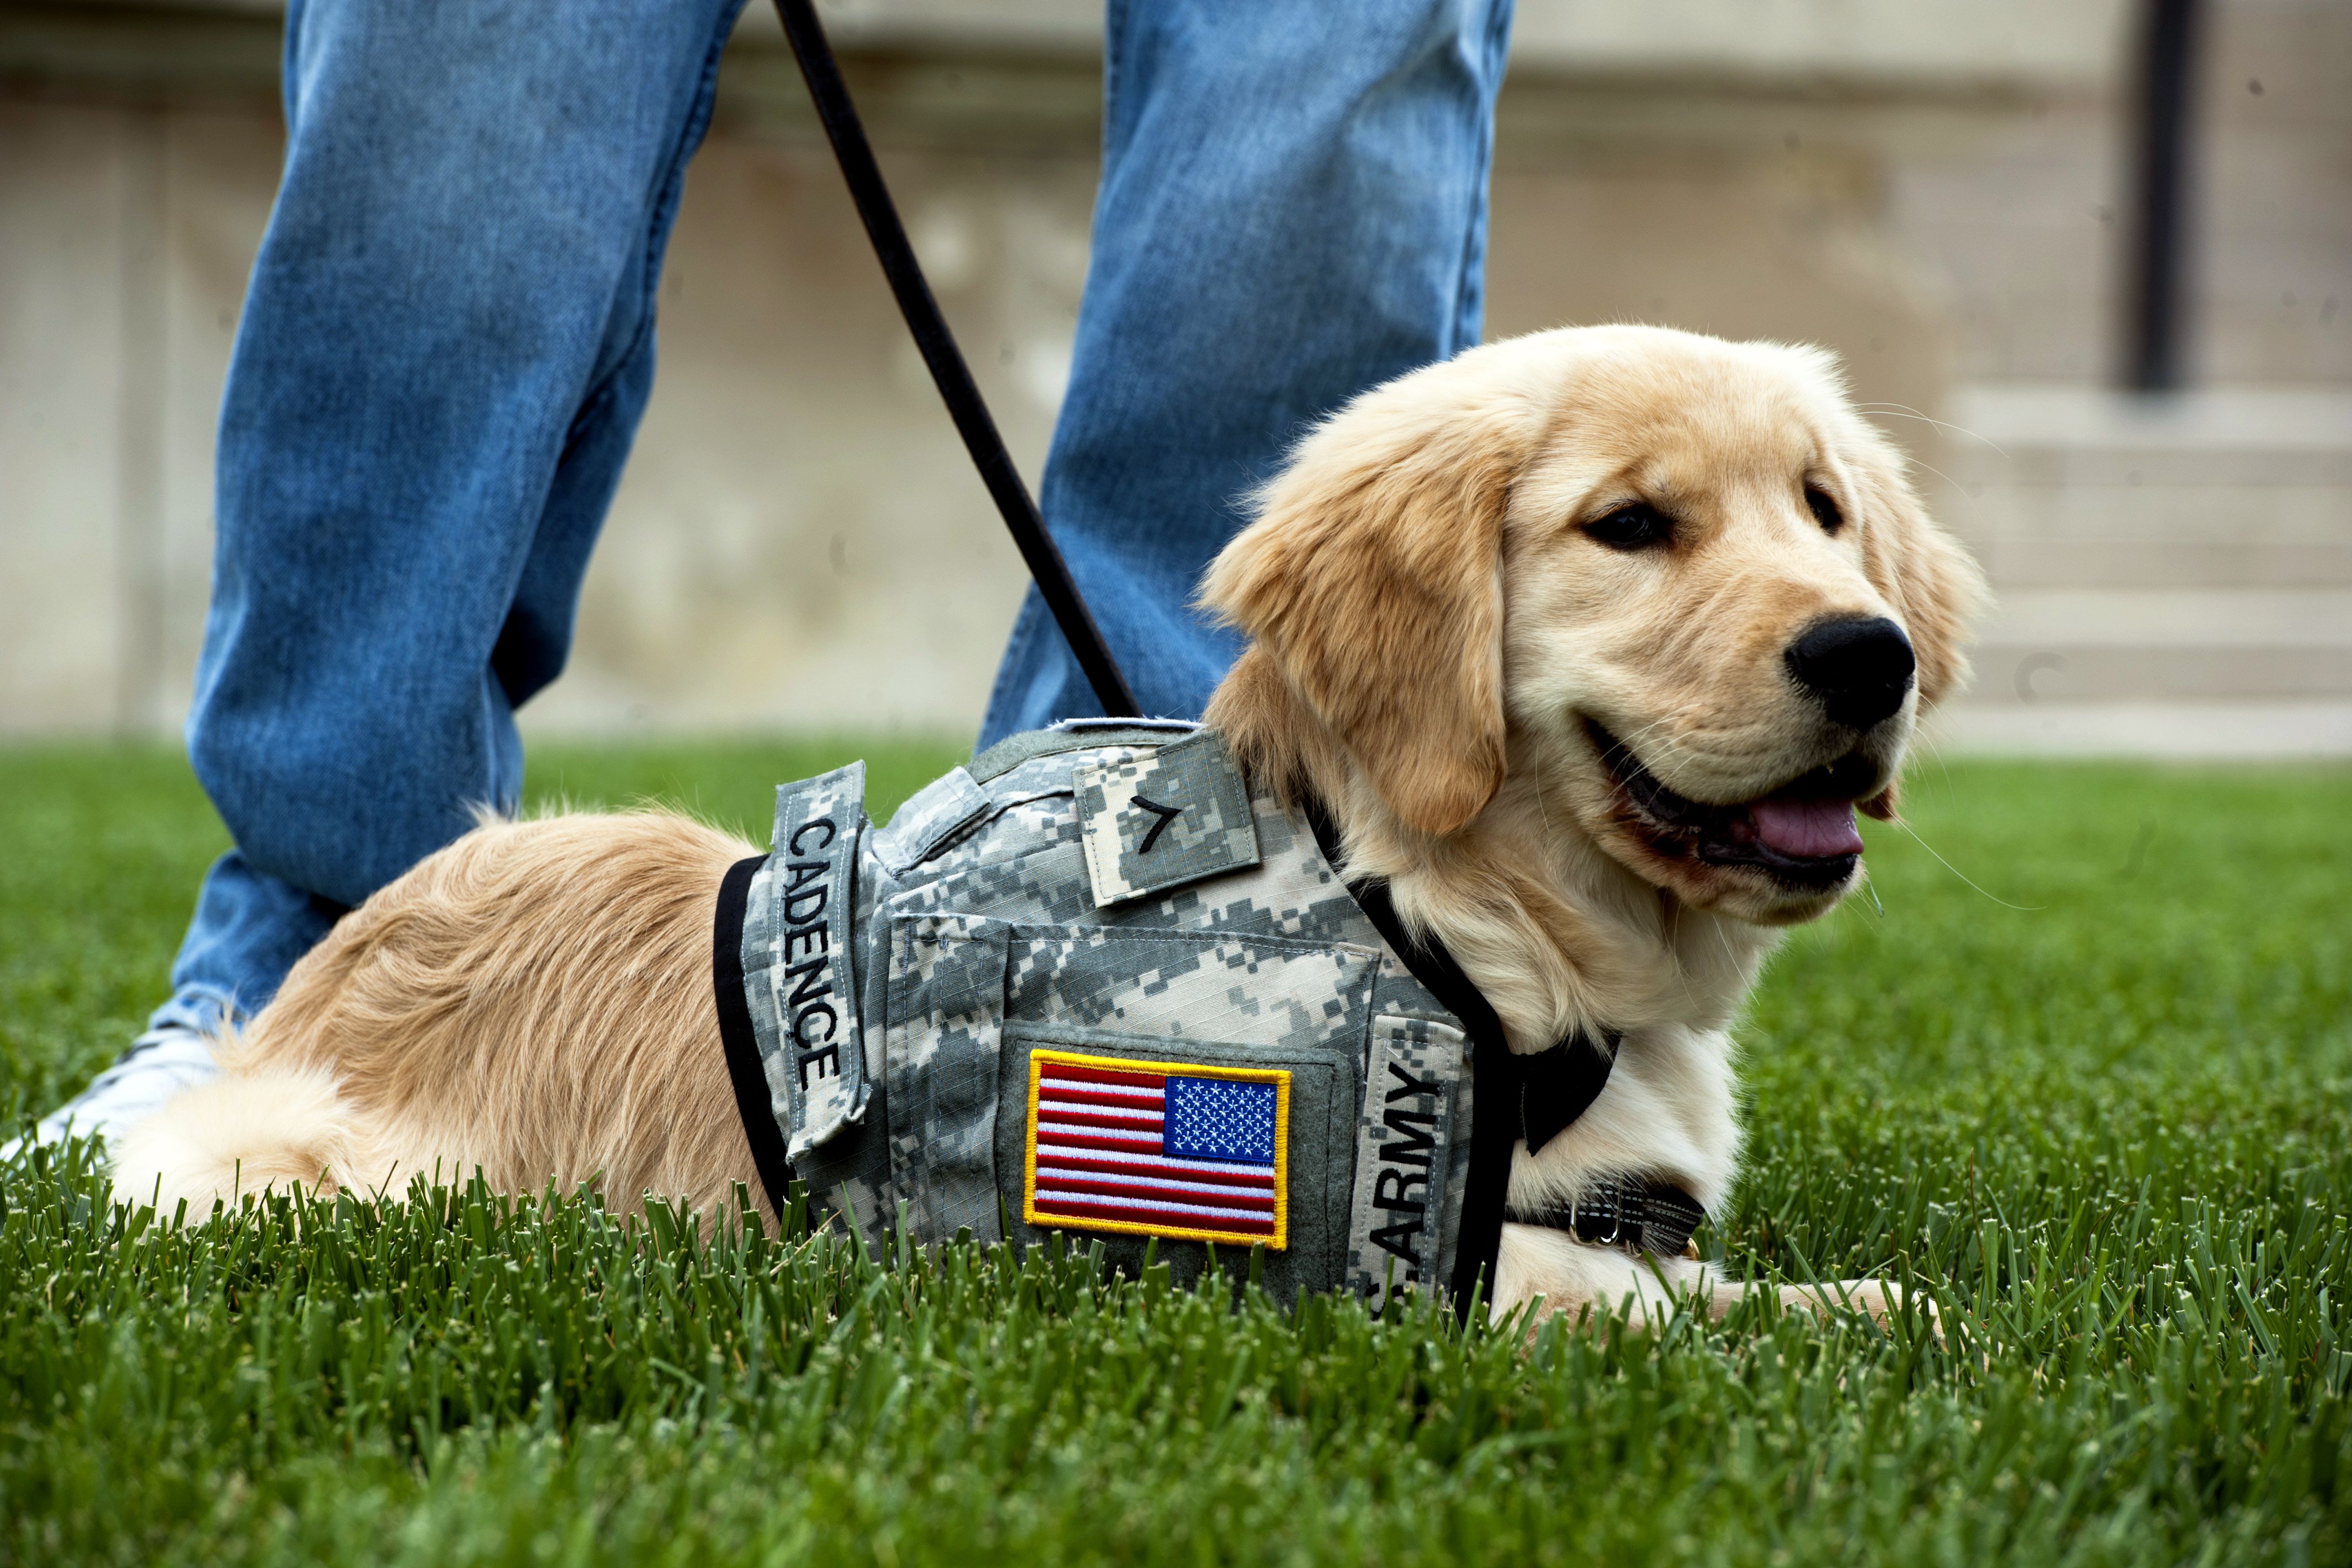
1090	984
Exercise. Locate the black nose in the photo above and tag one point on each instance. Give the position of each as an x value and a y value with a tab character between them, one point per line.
1859	667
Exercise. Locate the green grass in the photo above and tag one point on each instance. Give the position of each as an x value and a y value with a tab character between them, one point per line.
2109	1129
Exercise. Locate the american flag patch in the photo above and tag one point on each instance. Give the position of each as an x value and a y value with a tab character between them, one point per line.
1173	1149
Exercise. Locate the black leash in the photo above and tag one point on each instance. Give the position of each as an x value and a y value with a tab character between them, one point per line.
1046	567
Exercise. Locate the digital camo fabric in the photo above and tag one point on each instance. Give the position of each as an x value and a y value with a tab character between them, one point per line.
940	1051
1015	906
1163	818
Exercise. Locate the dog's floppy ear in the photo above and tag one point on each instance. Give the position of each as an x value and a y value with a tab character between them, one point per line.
1921	570
1372	578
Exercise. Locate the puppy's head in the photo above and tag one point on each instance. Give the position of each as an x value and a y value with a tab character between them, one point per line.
1679	581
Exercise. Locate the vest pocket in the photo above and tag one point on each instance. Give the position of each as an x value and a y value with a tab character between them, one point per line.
970	998
1261	1009
943	1024
1134	1202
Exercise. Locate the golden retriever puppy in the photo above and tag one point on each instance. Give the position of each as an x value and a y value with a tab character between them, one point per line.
1595	640
1590	642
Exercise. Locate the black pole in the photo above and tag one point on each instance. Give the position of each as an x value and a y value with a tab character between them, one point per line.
1046	567
2153	316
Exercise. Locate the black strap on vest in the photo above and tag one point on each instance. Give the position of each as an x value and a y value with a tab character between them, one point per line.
937	345
1538	1095
770	1154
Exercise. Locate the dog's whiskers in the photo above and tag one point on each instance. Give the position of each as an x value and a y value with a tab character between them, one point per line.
1723	942
1680	747
1905	411
1939	473
1955	870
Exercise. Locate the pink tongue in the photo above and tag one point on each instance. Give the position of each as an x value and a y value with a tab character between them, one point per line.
1807	828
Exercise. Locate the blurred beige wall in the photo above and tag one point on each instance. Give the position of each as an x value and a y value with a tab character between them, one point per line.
1931	189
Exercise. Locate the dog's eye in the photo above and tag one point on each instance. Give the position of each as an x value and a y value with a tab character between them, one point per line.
1825	510
1634	527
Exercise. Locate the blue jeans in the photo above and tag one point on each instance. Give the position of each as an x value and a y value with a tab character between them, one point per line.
1293	209
448	340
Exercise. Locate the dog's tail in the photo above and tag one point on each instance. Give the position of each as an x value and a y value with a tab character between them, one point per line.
240	1132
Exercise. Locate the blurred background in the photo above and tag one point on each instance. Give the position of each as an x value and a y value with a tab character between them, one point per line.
2090	260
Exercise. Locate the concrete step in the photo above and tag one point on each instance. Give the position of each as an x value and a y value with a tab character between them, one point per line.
2067	419
2180	730
2121	560
2172	576
2318	618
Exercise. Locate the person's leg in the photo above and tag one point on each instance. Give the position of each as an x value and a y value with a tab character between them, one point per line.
447	343
1293	209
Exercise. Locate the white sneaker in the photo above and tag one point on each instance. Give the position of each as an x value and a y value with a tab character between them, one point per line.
158	1064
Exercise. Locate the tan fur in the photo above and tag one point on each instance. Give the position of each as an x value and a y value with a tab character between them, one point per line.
1372	581
243	1132
533	1002
1432	627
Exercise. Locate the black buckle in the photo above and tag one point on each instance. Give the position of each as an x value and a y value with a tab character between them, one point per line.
1637	1212
1614	1207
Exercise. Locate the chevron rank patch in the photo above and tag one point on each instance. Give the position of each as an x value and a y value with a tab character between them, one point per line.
1183	1150
1157	821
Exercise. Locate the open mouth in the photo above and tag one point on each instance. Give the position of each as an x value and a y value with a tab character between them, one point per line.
1801	834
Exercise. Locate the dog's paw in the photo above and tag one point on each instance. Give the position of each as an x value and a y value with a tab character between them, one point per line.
1883	1299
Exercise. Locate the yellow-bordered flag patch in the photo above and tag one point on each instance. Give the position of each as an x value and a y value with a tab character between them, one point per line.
1183	1150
